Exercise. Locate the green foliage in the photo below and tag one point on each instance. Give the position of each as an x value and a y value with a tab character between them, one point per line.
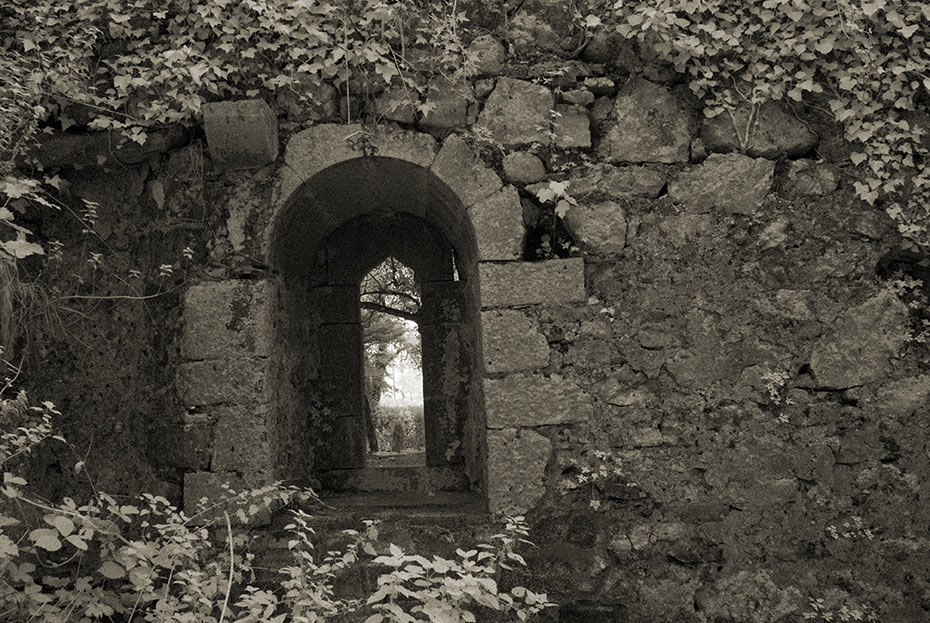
866	62
134	65
144	560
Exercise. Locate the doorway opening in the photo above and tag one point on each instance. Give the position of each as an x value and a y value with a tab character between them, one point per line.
390	306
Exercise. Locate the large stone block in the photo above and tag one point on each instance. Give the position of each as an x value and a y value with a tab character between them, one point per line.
217	381
864	339
226	319
451	104
517	113
522	167
650	125
727	182
241	134
523	400
512	284
776	133
618	182
511	342
498	223
197	442
464	173
241	441
517	462
599	228
572	127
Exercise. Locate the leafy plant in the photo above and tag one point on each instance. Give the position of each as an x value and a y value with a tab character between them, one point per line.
145	560
864	62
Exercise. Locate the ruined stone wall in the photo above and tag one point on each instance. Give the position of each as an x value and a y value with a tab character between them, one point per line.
726	419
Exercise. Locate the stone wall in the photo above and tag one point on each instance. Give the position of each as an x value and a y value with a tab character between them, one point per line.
703	381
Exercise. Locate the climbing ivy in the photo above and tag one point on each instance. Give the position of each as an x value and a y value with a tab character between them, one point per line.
865	62
135	65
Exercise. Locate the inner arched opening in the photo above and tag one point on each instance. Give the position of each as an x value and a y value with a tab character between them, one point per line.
339	227
390	314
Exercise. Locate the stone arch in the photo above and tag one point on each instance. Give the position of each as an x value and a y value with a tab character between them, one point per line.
347	200
335	178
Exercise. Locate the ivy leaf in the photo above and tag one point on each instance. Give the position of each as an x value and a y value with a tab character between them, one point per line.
871	8
45	538
77	541
562	208
61	523
545	195
112	570
21	249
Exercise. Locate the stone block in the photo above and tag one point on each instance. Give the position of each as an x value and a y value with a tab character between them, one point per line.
517	113
444	419
196	443
241	441
864	339
414	147
777	132
618	182
731	183
649	125
241	134
807	178
464	173
226	319
312	150
445	347
442	302
511	342
488	55
513	284
525	400
599	228
345	446
217	381
451	105
521	167
396	104
498	224
572	127
517	462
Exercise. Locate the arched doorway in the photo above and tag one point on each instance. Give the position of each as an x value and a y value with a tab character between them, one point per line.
339	225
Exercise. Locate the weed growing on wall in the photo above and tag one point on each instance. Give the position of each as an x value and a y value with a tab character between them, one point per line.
143	559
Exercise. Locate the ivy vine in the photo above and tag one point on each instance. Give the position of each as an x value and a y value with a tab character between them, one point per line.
866	62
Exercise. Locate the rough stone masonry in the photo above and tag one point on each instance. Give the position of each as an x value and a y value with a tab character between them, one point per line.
697	380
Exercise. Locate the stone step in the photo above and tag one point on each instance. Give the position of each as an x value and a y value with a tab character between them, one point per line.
421	479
